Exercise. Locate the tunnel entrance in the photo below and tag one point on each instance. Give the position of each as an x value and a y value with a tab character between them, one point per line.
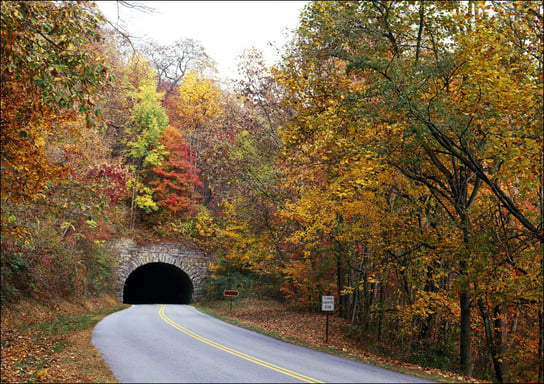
158	283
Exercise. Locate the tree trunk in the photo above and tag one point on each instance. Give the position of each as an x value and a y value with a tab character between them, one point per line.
499	357
495	335
132	205
464	298
380	314
540	347
465	352
340	283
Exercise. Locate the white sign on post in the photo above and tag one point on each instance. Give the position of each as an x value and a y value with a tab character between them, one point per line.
327	303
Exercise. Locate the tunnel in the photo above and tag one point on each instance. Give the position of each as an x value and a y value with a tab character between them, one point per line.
158	283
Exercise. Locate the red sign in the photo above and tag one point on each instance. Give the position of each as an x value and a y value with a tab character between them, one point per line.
230	293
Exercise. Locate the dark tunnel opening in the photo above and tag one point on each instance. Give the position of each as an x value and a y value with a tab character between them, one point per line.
158	283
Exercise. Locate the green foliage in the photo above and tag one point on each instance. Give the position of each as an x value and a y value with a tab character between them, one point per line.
150	120
145	150
439	355
67	325
101	267
53	260
249	283
232	281
15	273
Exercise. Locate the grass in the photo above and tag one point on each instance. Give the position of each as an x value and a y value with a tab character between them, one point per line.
73	324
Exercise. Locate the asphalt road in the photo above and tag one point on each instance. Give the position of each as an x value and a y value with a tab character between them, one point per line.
178	344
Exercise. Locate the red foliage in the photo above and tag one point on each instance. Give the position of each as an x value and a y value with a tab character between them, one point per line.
111	180
176	178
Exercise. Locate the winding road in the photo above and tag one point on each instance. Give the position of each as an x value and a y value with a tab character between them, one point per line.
178	344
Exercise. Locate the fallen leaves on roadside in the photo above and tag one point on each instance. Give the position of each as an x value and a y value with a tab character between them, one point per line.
34	351
26	356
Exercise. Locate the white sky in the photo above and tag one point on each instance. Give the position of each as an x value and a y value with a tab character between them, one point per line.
224	28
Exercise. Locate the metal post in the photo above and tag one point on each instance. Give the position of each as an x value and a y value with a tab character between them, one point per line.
327	329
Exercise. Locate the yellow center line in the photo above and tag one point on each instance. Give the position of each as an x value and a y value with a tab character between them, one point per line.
235	352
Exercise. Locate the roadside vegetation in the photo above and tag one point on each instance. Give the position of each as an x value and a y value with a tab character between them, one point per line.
275	319
50	342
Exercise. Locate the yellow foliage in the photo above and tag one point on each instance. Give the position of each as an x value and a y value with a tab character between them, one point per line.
199	102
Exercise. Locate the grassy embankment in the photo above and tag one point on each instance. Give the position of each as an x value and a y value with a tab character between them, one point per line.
51	342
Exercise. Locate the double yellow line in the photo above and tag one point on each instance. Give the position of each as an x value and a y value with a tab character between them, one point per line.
235	352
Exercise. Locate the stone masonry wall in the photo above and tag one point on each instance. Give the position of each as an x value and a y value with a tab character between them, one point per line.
190	259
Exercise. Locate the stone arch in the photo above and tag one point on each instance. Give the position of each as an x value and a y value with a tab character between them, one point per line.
187	257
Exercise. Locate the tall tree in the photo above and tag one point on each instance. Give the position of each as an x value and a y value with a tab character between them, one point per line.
173	182
145	149
172	62
40	98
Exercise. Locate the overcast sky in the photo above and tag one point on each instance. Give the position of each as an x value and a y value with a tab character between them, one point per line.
224	28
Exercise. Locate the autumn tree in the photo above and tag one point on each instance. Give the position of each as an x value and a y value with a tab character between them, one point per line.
41	97
149	119
195	108
173	182
118	100
445	73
